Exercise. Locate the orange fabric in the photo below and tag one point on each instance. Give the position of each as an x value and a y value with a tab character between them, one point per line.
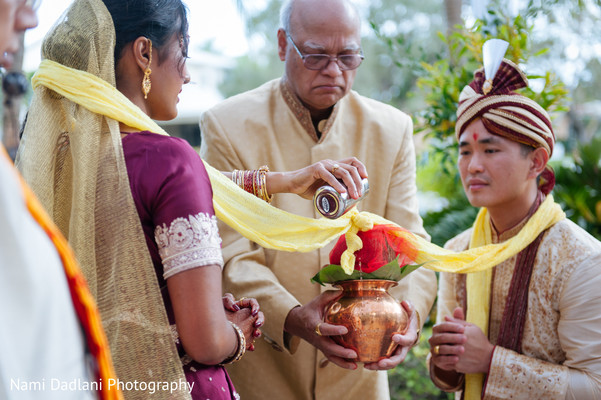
83	302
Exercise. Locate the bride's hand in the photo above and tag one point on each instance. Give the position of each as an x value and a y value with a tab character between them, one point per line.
246	314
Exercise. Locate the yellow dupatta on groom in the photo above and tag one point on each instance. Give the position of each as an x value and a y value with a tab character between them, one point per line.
478	284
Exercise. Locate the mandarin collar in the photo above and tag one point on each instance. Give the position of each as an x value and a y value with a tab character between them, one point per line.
511	232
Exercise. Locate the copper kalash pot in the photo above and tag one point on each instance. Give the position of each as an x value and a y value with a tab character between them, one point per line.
371	315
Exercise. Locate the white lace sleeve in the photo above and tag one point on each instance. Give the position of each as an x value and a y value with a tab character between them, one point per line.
189	243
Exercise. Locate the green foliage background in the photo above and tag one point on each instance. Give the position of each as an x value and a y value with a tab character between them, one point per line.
578	186
411	380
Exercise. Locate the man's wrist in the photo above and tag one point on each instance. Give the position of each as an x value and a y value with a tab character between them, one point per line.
290	340
492	353
449	381
289	321
276	183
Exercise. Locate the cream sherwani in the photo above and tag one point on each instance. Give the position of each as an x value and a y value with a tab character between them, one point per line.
268	125
562	334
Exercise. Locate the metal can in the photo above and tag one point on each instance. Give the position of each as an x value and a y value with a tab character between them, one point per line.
332	204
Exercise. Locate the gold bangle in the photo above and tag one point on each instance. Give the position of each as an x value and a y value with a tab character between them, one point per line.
240	350
254	180
263	185
419	328
236	178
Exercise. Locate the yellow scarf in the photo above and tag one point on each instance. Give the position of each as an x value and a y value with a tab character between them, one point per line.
266	225
479	284
276	229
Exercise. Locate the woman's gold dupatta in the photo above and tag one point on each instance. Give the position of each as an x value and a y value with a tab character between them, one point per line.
73	160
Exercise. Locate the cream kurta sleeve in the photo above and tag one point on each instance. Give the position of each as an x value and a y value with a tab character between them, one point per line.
518	376
449	292
563	323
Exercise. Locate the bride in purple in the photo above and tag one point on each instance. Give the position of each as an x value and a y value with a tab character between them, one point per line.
171	193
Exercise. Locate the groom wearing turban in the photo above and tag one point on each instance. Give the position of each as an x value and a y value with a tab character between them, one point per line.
530	327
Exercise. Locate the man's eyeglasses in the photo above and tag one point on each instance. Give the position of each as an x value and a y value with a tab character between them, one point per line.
320	61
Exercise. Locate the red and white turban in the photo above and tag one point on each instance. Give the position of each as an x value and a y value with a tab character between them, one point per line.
507	113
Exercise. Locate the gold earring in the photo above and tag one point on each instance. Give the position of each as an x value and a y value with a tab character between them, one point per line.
146	84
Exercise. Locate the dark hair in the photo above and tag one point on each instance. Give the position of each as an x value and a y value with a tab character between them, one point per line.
158	20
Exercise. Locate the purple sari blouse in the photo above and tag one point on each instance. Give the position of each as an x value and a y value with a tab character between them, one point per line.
173	195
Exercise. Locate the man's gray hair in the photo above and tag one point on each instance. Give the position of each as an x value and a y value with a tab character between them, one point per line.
286	12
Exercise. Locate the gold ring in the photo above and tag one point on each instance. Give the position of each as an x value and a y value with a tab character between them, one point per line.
317	330
436	350
335	167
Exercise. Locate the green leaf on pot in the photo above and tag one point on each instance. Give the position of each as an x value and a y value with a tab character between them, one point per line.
407	269
391	271
334	273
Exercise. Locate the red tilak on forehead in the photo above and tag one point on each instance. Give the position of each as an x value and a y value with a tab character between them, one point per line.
475	136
